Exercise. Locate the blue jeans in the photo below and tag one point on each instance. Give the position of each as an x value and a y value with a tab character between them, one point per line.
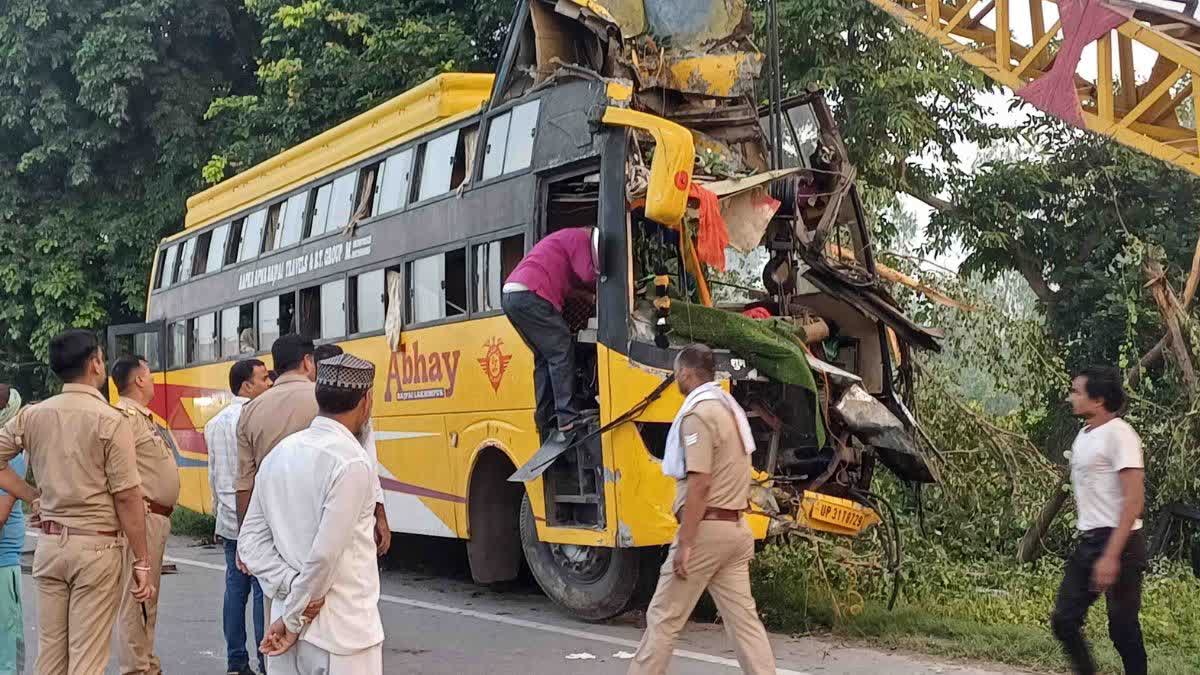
233	619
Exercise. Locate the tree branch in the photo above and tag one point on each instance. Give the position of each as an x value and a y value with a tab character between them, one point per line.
933	201
1189	293
1148	359
1169	307
1031	269
1089	244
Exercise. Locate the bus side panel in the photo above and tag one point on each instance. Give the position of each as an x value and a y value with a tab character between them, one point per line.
643	494
417	479
184	401
511	432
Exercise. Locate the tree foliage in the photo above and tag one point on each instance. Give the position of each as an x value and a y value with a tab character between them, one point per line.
99	146
1076	223
323	61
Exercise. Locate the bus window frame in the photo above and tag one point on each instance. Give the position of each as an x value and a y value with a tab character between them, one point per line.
357	273
441	249
413	144
485	125
525	230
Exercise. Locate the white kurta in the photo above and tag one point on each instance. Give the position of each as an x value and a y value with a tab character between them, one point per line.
309	533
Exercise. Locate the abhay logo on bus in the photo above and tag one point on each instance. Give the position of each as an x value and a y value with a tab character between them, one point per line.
415	376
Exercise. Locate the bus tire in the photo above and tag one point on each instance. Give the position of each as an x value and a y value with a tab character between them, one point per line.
592	583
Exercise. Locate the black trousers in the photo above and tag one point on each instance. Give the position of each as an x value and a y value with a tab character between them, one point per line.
547	335
1124	600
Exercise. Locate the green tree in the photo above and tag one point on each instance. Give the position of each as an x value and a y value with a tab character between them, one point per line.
99	146
323	61
1076	222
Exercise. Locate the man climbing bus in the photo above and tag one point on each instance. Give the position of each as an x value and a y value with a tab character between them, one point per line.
563	263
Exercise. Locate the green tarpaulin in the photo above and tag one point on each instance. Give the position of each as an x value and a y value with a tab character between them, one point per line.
770	348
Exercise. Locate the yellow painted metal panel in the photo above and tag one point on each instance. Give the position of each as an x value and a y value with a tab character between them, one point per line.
442	99
671	168
642	493
714	74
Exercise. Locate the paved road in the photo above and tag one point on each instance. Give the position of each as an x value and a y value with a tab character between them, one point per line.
438	623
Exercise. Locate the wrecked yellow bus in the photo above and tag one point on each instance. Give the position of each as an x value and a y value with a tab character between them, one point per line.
392	234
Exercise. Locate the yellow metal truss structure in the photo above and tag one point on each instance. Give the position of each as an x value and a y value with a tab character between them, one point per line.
1145	116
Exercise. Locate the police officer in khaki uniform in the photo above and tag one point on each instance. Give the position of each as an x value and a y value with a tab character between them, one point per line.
160	489
82	453
714	546
287	407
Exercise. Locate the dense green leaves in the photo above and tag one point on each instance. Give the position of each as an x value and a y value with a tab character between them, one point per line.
99	147
113	113
323	61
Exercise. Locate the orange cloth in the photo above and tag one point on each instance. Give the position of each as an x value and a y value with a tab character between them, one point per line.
714	233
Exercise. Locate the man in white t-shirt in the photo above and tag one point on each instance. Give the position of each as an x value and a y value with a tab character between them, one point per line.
1107	475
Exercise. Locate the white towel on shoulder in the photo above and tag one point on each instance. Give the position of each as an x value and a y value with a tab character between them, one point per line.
674	463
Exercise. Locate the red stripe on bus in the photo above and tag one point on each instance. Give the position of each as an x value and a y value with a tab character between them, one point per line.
409	489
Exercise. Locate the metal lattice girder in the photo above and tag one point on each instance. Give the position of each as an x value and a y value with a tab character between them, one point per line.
1153	116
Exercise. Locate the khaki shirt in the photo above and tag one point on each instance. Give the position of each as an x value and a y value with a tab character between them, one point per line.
155	460
81	450
282	410
712	445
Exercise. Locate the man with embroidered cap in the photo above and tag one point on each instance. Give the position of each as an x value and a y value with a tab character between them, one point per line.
82	453
308	535
383	532
160	489
708	454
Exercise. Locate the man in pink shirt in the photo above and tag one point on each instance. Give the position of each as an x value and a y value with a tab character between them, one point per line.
561	264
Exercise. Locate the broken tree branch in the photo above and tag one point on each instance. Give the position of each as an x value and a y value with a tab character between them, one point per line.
1031	548
1189	294
1169	307
1189	288
934	202
1148	359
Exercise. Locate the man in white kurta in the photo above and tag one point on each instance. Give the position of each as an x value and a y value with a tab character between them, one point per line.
308	535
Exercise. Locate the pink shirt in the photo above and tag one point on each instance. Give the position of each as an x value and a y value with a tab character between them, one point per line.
558	263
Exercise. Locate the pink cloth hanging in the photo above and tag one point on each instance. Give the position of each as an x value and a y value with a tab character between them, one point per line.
1083	22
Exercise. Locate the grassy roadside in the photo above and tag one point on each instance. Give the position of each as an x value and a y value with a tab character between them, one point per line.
989	610
189	523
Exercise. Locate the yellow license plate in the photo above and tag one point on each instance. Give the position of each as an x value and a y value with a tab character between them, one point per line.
839	515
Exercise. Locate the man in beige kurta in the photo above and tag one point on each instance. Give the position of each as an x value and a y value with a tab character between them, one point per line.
82	452
160	490
714	545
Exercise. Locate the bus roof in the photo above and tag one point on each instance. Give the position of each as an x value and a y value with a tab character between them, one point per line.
434	102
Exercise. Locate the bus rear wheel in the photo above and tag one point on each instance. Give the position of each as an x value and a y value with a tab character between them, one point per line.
593	583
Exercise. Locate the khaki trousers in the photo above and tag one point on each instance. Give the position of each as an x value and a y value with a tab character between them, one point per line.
720	562
135	628
79	592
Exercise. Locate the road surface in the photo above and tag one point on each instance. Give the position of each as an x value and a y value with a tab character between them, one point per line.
438	623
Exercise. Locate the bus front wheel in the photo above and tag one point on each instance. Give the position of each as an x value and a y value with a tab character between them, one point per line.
592	582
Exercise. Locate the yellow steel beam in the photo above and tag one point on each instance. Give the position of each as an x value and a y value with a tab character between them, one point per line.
1104	81
1111	105
1038	48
